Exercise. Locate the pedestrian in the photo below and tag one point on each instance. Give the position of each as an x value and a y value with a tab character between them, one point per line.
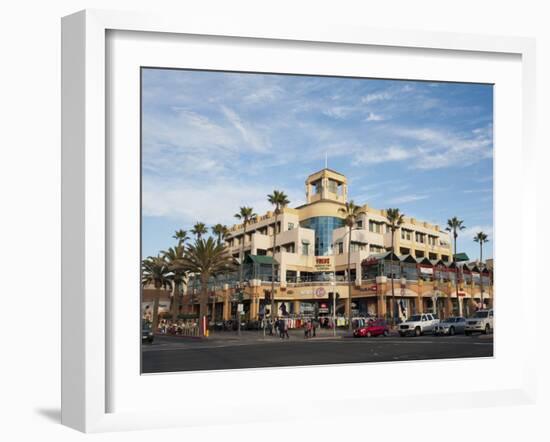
284	327
306	329
314	325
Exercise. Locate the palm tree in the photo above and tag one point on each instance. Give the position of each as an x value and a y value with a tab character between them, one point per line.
199	229
245	214
220	231
481	238
155	271
455	225
351	213
181	236
206	258
173	257
279	200
395	219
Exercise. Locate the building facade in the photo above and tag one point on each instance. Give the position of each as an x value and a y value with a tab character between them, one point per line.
311	260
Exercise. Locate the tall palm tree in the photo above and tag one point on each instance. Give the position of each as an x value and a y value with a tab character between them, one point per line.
173	257
481	238
395	220
181	236
220	231
206	258
199	229
245	214
279	200
455	225
155	271
351	213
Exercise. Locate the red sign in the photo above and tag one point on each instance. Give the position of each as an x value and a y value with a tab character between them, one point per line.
370	261
323	261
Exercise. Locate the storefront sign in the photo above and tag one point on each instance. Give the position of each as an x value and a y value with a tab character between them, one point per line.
427	270
323	308
323	263
370	261
315	292
320	292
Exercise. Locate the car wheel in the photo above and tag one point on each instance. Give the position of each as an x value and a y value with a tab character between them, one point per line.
386	333
417	331
487	329
369	334
451	331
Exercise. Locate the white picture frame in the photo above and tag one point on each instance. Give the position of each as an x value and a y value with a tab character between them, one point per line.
87	206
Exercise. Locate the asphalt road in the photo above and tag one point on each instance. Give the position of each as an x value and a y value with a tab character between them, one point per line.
176	354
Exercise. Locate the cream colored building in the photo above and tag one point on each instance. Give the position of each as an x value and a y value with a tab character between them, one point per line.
311	263
312	240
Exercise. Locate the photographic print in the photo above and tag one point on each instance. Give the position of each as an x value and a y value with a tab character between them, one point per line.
294	220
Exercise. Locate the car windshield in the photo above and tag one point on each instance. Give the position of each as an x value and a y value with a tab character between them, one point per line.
481	314
413	318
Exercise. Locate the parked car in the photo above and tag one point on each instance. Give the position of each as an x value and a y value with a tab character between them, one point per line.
417	325
146	333
450	326
372	328
482	322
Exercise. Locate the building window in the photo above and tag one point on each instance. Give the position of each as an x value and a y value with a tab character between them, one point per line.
340	248
375	227
323	227
406	234
376	249
420	237
290	226
432	240
359	224
305	249
332	186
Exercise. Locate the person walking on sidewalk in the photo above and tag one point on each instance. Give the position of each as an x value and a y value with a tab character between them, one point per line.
284	329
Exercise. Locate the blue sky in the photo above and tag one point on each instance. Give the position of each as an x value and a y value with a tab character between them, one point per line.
215	141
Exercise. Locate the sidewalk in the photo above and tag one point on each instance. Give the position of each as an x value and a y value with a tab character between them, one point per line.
258	336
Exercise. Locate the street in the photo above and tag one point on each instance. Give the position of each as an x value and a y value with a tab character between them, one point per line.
226	350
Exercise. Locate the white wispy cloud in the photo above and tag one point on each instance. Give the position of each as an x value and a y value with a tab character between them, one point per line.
403	199
374	117
376	96
377	156
249	135
477	190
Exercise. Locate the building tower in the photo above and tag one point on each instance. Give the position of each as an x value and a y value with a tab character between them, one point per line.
326	185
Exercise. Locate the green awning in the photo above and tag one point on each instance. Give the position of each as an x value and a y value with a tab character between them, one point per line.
261	259
461	257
